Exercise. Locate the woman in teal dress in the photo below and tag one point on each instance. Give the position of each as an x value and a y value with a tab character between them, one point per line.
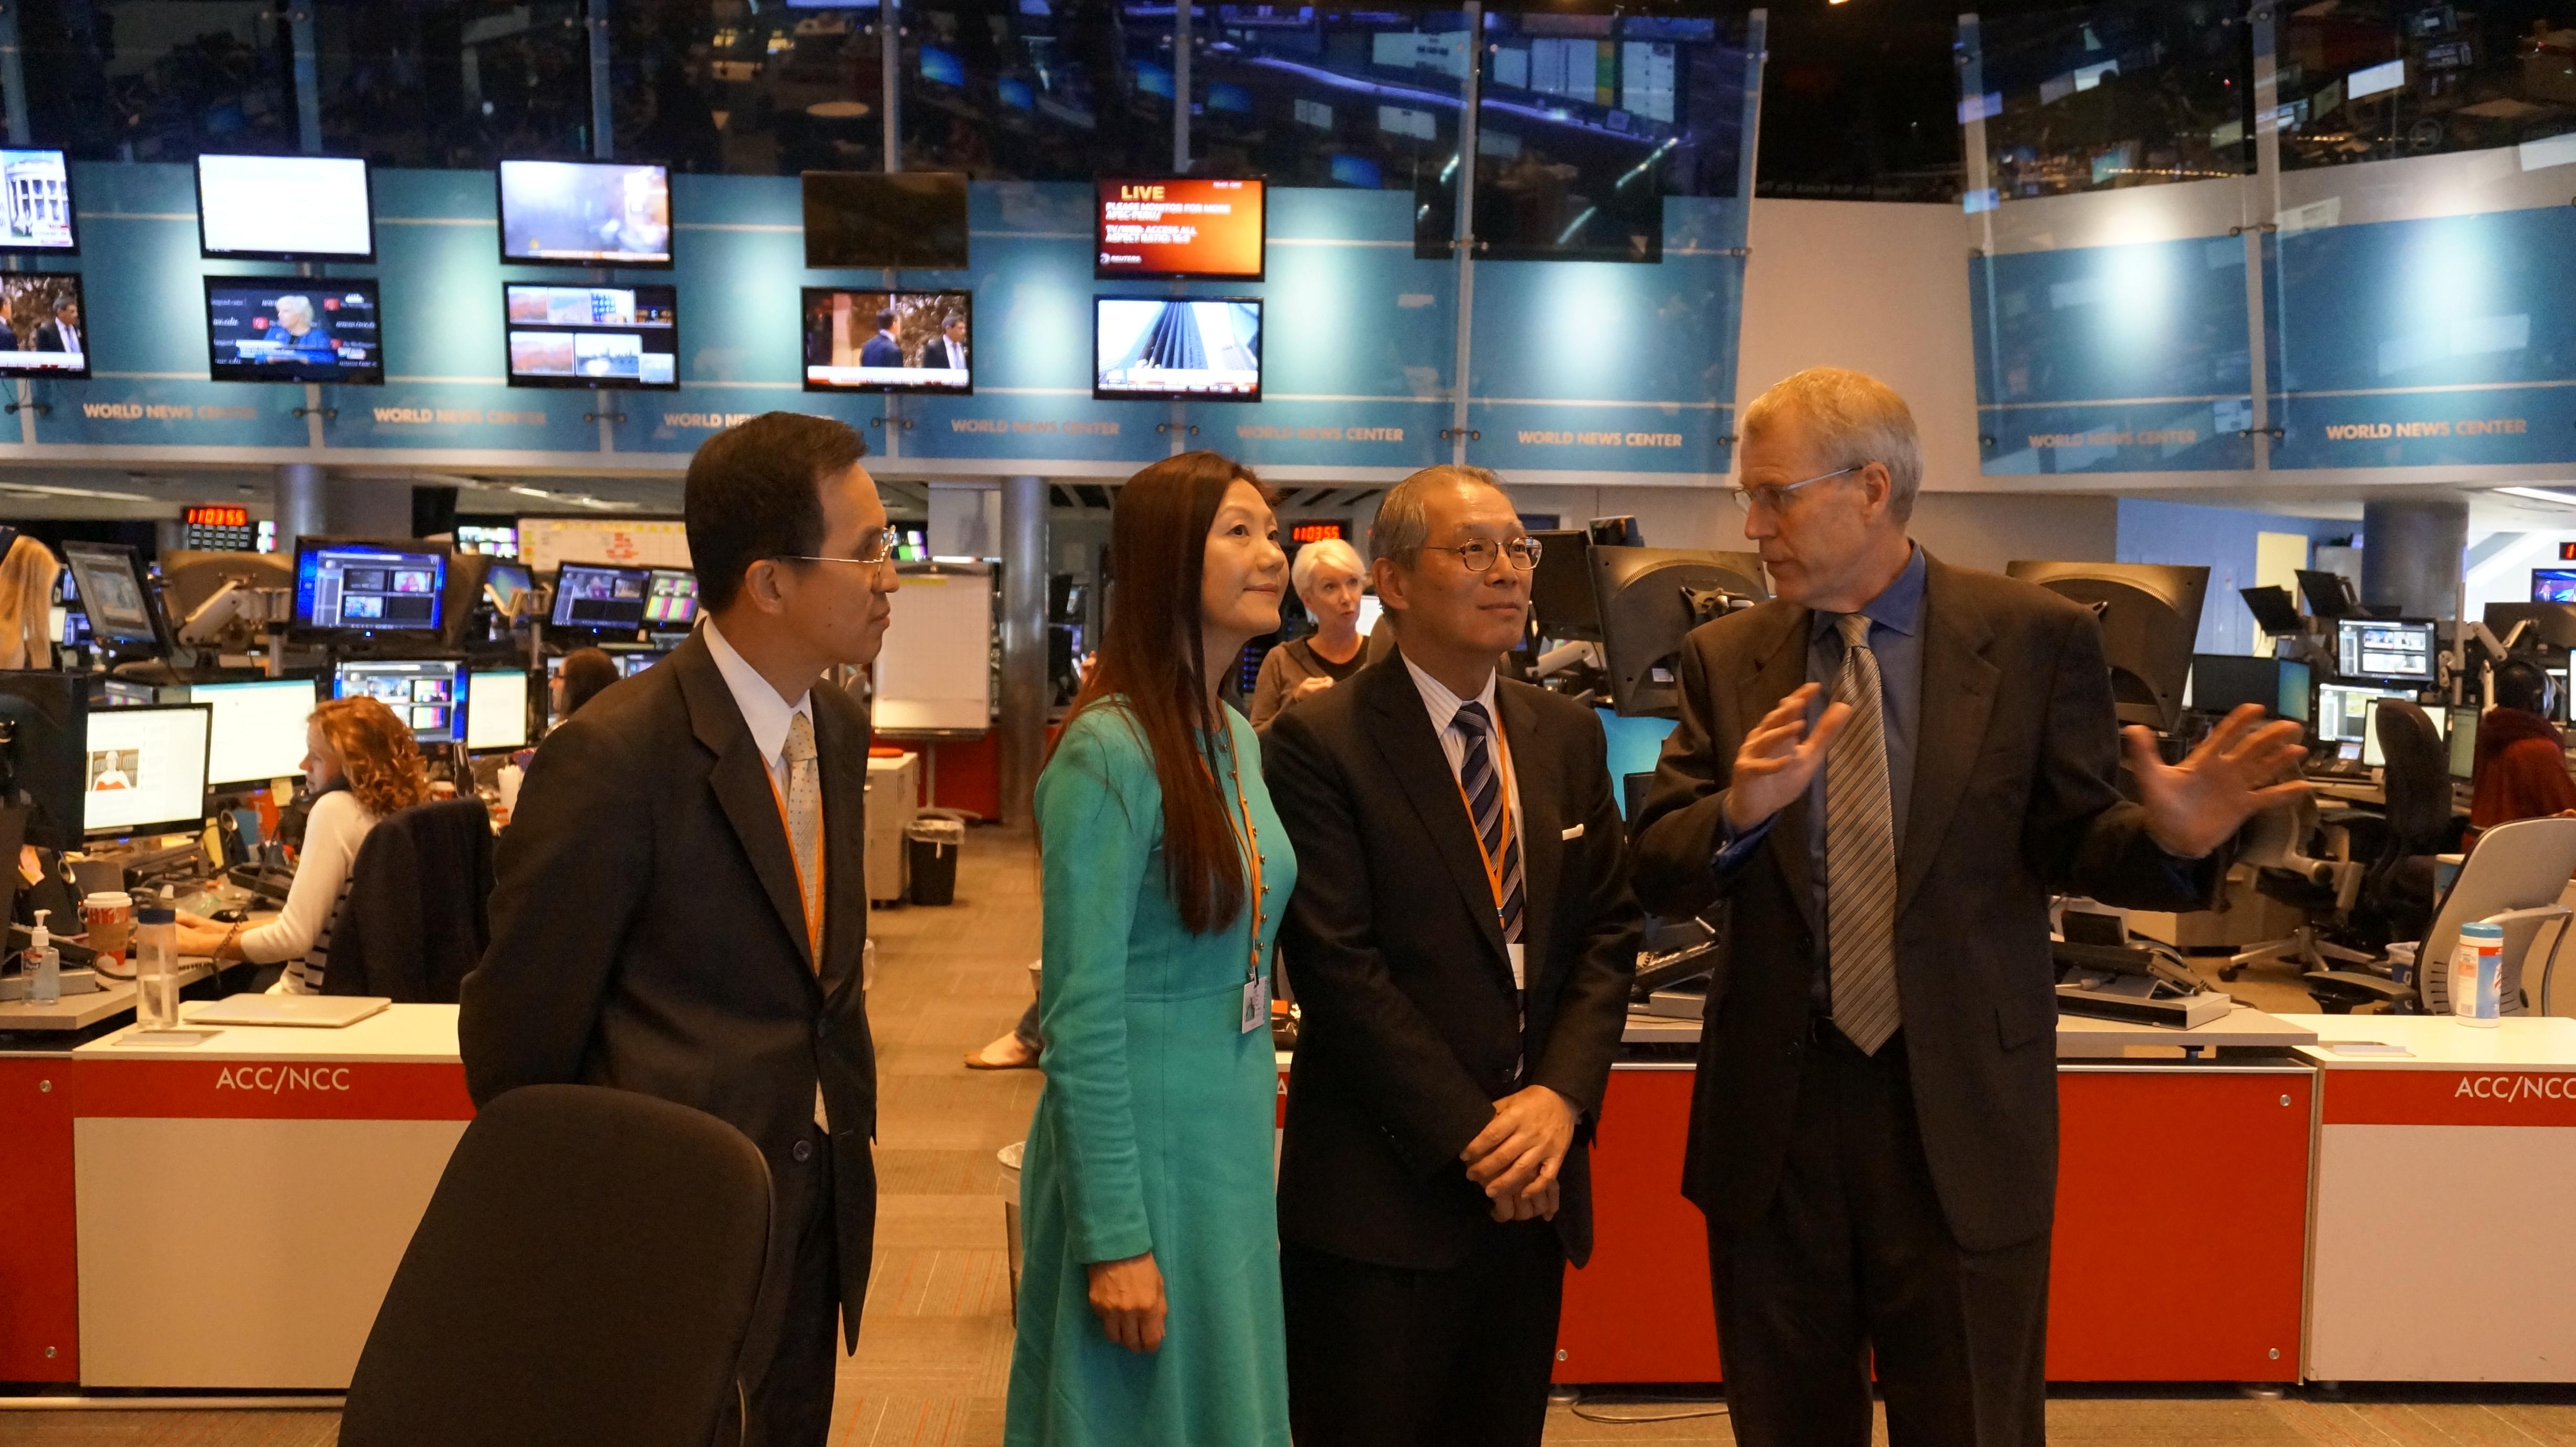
1149	1300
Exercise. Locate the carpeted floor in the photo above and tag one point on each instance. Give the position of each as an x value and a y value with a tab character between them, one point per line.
934	1349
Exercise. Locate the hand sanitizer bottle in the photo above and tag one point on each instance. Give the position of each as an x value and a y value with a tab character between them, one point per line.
44	964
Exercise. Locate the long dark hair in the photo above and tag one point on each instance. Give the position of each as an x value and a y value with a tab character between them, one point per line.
1152	658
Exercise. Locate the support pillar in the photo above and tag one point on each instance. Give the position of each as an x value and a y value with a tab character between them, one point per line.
303	504
1026	568
2413	556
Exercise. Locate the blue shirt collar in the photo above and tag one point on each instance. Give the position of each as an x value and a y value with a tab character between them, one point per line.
1898	606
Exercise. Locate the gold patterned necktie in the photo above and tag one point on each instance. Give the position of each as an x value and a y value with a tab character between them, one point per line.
804	804
1860	853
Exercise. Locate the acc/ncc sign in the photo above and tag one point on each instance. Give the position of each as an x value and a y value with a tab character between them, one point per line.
272	1089
2450	1097
278	1079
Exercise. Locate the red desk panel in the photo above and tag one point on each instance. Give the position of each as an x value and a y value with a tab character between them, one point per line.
39	1271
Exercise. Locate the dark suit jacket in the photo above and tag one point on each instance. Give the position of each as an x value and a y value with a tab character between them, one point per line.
2014	799
878	351
49	337
1394	952
936	353
647	934
416	917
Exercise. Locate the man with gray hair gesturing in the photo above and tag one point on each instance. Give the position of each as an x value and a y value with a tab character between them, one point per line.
1885	773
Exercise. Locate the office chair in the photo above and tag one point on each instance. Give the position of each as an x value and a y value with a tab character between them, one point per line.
416	915
2514	877
2273	844
585	1272
2396	901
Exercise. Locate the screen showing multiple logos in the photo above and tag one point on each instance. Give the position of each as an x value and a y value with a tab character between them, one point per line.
620	335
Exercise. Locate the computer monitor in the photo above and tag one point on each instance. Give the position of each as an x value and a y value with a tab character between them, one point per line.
109	580
2329	594
429	694
1178	229
505	584
1562	603
36	213
632	661
144	770
889	341
294	329
258	731
592	336
497	714
2462	732
1371	610
670	599
2150	616
2553	625
601	597
2343	710
584	213
1198	349
2553	585
284	208
55	342
2224	682
870	220
47	756
1649	600
2385	648
2371	753
369	587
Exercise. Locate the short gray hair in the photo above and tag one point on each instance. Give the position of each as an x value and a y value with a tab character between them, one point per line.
1404	515
1321	553
1851	418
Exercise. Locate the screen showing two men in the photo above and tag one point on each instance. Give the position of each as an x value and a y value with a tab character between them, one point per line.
593	336
2375	648
1148	347
145	768
289	330
368	587
880	341
41	325
428	695
574	211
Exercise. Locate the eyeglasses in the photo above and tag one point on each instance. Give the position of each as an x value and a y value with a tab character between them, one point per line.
1480	555
873	548
1776	495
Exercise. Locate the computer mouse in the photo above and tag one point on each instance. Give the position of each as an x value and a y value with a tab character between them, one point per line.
228	916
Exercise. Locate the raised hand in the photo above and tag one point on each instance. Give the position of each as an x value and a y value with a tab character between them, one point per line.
2194	806
1780	756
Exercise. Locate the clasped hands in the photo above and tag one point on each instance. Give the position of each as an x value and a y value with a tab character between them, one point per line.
1516	1156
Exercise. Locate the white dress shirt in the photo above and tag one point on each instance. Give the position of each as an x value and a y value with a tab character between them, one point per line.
1443	706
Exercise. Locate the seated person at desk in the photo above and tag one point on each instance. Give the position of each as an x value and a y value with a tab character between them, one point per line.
2521	769
585	675
360	764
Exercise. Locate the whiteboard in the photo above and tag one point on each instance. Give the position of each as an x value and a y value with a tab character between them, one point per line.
936	670
548	543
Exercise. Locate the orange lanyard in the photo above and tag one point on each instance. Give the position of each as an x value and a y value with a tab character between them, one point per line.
1503	783
809	893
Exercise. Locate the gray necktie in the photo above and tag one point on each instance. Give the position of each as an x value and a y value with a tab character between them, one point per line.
805	815
1860	853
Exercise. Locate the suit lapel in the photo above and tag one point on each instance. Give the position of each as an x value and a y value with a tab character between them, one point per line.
740	779
841	743
1413	755
1542	842
1958	695
1780	672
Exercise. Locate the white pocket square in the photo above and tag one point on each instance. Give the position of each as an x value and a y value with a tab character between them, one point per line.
1574	833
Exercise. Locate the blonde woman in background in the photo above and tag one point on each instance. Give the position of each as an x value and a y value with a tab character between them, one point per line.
1329	578
27	578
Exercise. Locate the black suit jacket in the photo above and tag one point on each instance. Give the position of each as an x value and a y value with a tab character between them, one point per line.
2014	799
935	353
1394	952
647	934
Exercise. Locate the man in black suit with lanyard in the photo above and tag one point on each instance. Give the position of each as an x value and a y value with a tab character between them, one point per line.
680	908
1461	940
1883	775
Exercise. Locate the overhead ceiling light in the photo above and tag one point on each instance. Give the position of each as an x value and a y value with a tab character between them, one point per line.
30	489
2542	494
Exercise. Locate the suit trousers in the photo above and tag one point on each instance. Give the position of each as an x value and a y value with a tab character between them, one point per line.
792	1350
1854	1268
1387	1356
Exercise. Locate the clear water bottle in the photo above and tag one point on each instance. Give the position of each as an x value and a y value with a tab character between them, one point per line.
156	968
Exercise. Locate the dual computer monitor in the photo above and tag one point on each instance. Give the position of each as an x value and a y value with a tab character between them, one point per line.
444	700
607	598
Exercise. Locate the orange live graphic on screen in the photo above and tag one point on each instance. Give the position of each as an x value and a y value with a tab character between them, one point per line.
1189	227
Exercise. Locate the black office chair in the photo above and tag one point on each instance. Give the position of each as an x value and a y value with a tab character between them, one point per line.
416	914
2397	890
586	1272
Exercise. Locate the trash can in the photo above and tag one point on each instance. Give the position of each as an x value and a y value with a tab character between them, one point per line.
932	846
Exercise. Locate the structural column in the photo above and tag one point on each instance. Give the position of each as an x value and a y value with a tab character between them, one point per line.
303	504
1025	571
2413	556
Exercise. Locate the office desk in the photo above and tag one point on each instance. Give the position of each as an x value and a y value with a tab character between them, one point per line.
2439	1251
242	1203
74	1013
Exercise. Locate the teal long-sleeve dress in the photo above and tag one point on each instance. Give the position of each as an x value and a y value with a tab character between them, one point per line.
1154	1130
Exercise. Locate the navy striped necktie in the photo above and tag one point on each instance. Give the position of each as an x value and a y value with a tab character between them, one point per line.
1483	785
